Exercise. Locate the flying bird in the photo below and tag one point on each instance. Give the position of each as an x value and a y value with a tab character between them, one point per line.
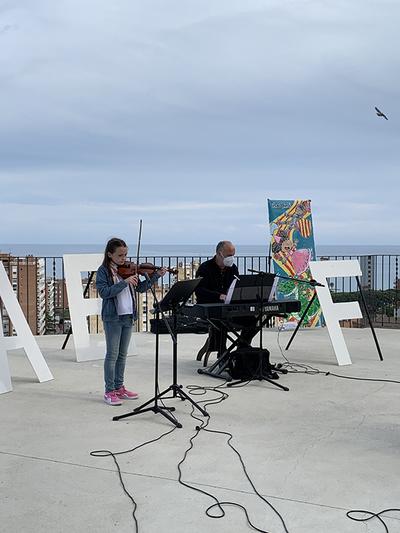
380	114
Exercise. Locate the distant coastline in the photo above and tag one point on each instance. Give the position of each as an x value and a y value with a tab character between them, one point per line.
188	250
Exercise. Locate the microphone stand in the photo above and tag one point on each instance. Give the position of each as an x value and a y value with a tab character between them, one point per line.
312	282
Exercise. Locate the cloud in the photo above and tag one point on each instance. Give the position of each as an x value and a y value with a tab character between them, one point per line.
184	206
190	108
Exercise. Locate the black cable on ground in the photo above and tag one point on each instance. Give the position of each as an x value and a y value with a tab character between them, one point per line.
108	453
370	516
295	367
307	369
199	390
202	426
361	379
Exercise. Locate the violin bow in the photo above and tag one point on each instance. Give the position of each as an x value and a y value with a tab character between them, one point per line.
138	244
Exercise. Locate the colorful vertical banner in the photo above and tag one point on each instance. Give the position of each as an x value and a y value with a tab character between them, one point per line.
292	248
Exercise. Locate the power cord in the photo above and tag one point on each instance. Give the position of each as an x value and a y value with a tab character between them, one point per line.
294	367
108	453
203	426
362	379
370	516
307	369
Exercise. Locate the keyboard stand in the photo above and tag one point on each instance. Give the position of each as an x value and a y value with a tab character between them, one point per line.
221	363
219	368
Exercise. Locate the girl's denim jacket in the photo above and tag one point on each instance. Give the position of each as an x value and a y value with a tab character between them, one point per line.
108	291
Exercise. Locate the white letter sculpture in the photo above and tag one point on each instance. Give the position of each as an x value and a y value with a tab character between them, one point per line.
333	312
87	347
24	338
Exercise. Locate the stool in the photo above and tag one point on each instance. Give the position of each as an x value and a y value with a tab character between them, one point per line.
215	342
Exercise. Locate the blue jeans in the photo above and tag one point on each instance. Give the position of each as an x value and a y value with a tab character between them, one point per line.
118	335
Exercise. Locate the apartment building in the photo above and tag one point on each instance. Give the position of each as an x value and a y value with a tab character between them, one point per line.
27	277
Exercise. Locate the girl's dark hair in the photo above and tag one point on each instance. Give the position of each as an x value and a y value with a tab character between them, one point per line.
111	246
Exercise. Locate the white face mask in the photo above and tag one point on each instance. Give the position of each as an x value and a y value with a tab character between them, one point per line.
228	261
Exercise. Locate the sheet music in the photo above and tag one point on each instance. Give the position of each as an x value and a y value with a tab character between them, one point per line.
230	291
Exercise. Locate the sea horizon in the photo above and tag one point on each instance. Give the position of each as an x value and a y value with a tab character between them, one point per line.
202	250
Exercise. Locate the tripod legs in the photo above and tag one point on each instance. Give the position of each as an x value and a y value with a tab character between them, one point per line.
369	319
264	372
184	396
177	391
261	378
301	320
156	410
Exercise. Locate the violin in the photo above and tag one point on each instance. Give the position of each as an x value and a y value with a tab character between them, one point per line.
130	269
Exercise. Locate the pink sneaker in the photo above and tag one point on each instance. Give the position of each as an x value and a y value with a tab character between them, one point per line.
124	394
111	398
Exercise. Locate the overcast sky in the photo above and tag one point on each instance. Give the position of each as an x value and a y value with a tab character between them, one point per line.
189	114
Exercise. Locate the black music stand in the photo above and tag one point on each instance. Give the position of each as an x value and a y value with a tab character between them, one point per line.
175	298
254	288
260	289
255	291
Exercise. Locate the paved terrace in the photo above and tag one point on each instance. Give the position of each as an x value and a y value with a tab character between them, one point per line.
327	446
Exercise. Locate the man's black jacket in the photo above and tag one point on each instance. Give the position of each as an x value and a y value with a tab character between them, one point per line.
215	281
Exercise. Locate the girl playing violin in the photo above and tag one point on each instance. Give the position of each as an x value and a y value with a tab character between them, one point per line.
118	313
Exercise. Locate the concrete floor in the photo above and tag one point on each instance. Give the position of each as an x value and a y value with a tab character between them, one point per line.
327	446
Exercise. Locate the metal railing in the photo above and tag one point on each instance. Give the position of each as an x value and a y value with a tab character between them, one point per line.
39	285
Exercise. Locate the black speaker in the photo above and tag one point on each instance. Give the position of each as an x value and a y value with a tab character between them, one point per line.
249	363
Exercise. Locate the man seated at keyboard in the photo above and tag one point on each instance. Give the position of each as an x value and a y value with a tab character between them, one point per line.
217	275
